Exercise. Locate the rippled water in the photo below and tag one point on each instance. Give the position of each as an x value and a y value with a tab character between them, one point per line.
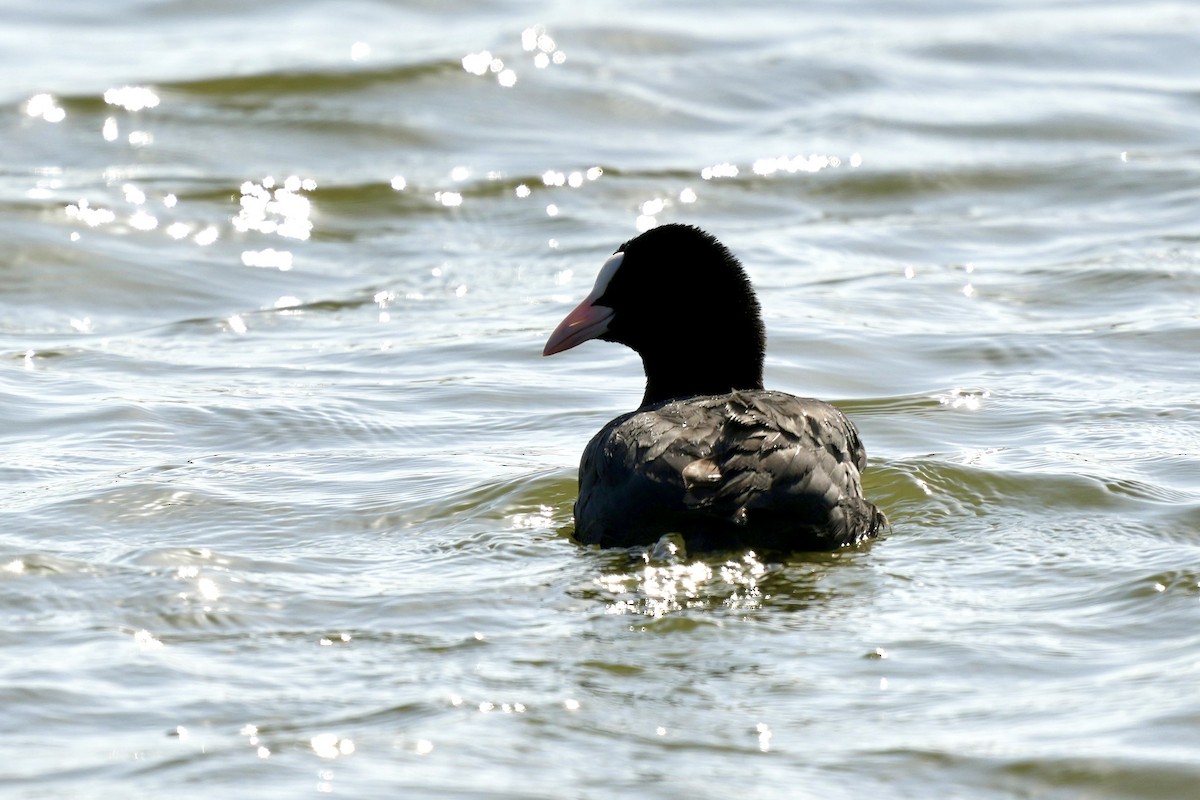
287	487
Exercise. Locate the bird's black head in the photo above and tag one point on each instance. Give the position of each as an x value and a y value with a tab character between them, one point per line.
682	301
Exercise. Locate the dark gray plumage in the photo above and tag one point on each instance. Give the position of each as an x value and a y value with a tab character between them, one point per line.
709	454
749	468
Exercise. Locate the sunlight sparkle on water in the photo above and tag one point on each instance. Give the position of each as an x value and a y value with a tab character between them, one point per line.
477	63
535	39
48	182
206	236
280	210
251	734
793	164
133	194
967	399
46	107
764	737
146	641
92	217
484	62
648	213
723	170
131	98
269	258
542	520
208	588
652	207
658	590
330	745
557	179
143	221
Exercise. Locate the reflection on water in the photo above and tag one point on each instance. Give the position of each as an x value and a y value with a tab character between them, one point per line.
534	40
287	485
656	590
44	106
131	98
282	210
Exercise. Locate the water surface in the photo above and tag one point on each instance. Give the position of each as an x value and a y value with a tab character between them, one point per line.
287	488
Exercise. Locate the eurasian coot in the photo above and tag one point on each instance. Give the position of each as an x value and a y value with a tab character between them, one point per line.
709	454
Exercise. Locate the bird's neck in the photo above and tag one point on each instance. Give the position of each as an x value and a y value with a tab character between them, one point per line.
671	376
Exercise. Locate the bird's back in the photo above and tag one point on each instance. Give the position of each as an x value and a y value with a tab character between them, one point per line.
752	468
